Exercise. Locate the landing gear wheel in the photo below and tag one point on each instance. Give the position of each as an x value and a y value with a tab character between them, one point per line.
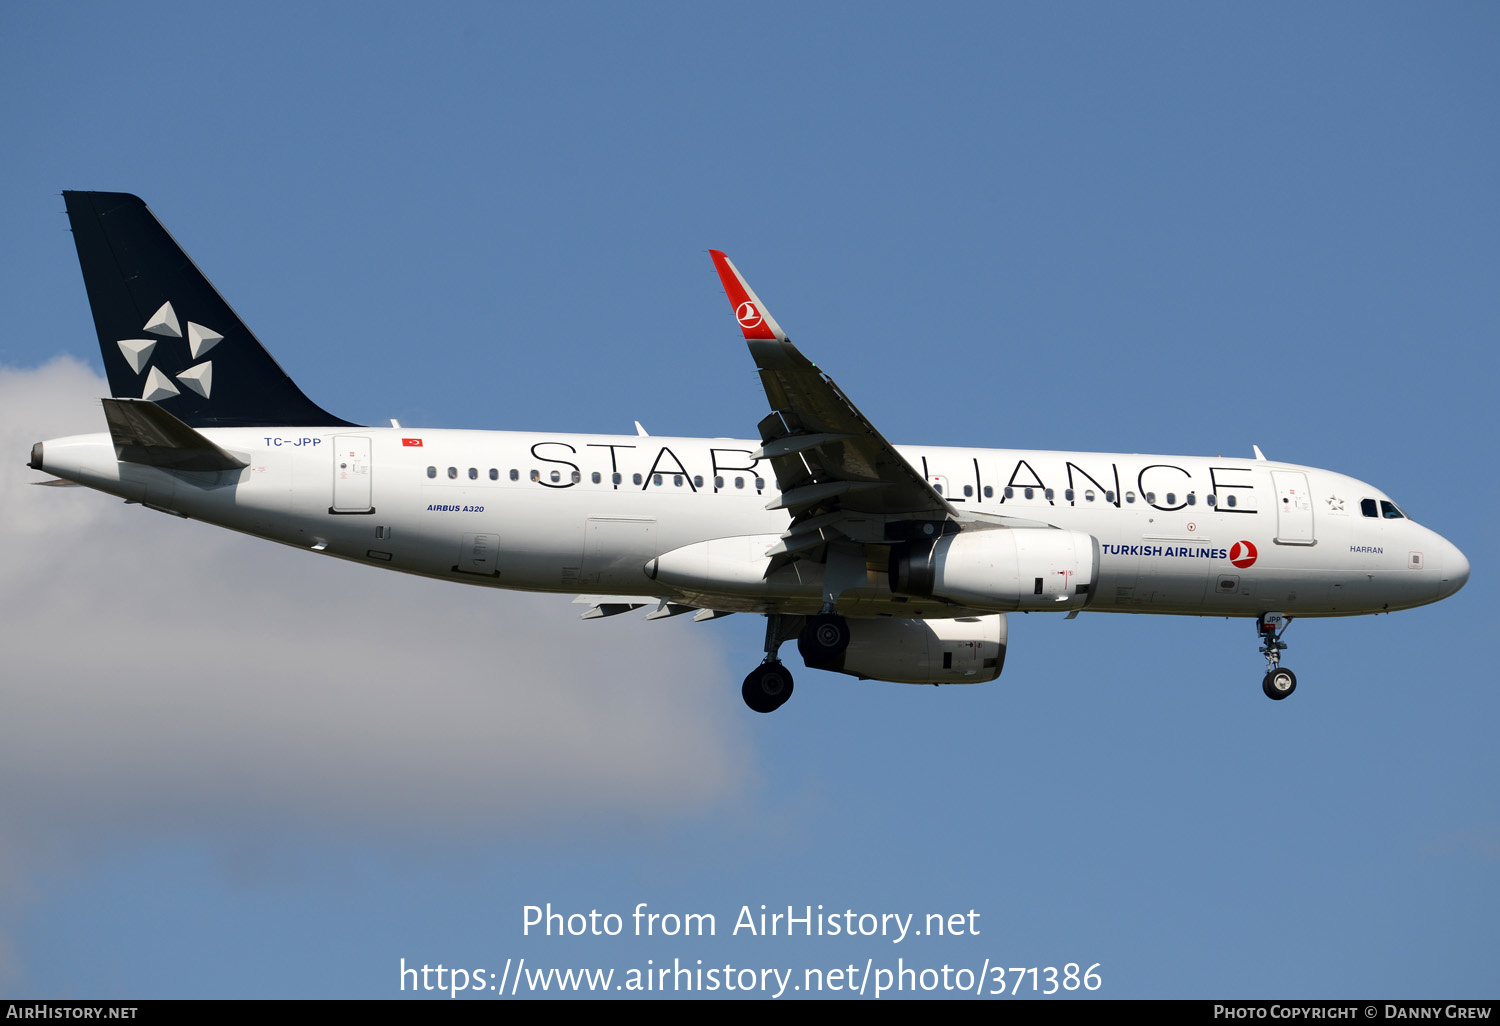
767	688
823	641
1279	683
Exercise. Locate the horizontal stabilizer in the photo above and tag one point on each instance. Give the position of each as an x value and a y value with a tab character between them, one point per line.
145	433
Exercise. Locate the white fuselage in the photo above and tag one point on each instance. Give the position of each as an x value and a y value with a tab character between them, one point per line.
586	513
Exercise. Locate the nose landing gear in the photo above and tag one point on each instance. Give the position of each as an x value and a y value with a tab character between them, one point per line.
1278	681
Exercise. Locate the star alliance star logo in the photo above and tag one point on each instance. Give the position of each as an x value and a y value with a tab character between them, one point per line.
1335	504
163	324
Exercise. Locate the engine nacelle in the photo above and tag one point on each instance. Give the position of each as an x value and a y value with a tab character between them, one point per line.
1030	569
966	651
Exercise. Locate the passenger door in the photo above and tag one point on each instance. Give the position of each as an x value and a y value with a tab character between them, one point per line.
1294	512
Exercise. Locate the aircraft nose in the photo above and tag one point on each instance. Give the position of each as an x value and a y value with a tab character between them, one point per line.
1455	569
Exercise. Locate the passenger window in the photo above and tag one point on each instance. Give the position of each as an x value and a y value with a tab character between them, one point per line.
579	477
515	475
453	473
556	476
1028	493
1130	496
697	480
494	474
536	475
1389	511
719	481
636	478
938	488
1212	500
989	491
616	478
473	473
1048	494
656	480
1367	507
1088	495
432	472
1192	499
760	483
1010	493
1109	495
1233	501
739	482
677	480
596	477
1151	497
1171	498
968	491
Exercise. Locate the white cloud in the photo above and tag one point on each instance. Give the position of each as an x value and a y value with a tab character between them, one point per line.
166	677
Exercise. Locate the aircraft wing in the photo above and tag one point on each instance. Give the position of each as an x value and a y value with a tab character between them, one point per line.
836	472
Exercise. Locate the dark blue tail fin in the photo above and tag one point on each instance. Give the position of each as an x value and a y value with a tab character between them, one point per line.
166	333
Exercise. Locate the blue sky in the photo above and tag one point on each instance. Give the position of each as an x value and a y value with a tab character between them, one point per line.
236	770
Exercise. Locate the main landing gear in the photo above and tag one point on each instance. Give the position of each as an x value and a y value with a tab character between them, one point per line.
770	684
821	640
768	687
1278	681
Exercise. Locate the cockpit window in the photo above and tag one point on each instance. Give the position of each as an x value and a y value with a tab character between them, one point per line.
1367	507
1389	511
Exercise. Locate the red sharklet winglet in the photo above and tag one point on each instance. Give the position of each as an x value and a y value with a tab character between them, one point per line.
755	320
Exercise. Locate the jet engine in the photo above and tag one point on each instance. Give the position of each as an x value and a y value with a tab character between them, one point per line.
1029	569
970	650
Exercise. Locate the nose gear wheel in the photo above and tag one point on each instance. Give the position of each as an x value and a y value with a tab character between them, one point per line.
1278	684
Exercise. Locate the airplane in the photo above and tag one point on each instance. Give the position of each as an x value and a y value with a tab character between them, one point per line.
884	562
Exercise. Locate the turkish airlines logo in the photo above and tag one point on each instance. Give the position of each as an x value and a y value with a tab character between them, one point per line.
1242	555
415	443
747	313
